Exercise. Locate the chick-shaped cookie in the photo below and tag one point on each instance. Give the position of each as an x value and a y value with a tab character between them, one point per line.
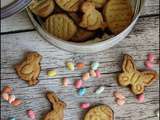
92	18
58	106
42	8
29	69
98	3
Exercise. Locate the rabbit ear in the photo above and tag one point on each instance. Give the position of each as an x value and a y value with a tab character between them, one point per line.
149	77
128	64
52	98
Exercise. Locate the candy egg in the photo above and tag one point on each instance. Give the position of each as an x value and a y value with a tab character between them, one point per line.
150	57
51	73
17	102
120	102
70	66
5	96
148	64
98	74
11	98
80	66
94	65
7	89
92	73
31	114
118	95
78	84
65	82
84	105
82	91
140	98
11	118
85	76
100	90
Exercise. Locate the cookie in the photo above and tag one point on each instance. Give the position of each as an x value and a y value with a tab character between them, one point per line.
82	35
69	5
61	26
58	106
118	14
98	3
101	112
29	69
135	79
92	18
42	8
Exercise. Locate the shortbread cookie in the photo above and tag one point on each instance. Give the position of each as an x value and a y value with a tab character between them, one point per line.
101	112
69	5
135	79
82	35
58	106
61	26
98	3
29	69
92	18
42	8
118	14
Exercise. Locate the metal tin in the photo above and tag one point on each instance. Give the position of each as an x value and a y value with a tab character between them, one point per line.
10	7
88	47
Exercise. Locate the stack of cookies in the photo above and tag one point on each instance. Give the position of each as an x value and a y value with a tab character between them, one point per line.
82	20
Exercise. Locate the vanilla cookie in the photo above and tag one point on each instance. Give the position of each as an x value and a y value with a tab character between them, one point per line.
29	69
98	3
42	8
58	106
118	14
69	5
101	112
135	79
61	26
92	18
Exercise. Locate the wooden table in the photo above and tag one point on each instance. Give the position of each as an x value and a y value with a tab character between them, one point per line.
18	36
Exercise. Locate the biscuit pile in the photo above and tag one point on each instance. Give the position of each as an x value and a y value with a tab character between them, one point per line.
81	20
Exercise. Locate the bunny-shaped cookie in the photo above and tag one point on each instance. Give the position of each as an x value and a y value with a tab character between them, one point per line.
92	18
29	69
58	106
136	79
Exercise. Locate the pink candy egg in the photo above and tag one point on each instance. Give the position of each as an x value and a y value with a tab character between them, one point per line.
98	74
84	105
11	98
65	82
92	73
5	96
31	114
150	57
148	64
120	102
78	84
118	95
140	98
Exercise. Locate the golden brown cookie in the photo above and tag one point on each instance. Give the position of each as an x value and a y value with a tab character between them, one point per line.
98	3
61	26
92	18
134	78
118	14
69	5
29	69
42	8
58	106
82	35
101	112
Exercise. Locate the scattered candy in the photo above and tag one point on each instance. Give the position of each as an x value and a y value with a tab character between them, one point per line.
11	98
7	89
100	90
5	96
140	98
150	57
84	105
17	102
118	95
52	73
80	66
70	66
85	76
98	74
82	91
94	65
31	114
92	73
78	84
148	64
157	113
11	118
120	102
65	82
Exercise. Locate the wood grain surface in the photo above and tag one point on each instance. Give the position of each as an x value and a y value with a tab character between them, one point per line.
18	37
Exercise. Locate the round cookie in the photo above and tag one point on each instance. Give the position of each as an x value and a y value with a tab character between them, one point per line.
61	26
42	8
118	14
69	5
101	112
98	3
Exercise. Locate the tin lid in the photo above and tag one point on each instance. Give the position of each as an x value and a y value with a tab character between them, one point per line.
10	7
